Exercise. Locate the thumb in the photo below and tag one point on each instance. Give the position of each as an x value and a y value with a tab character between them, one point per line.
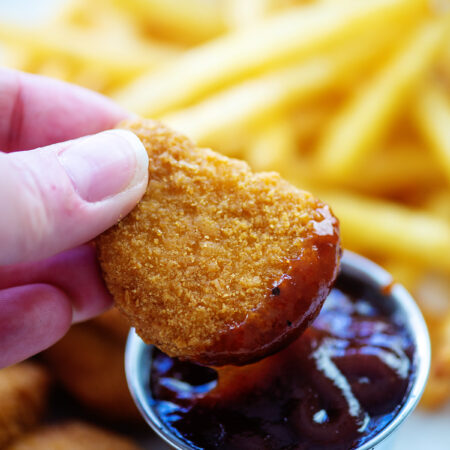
54	198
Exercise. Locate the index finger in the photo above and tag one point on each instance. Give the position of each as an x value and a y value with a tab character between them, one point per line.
38	111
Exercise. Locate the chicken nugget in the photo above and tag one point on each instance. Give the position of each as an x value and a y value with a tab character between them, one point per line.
23	399
217	264
72	436
88	362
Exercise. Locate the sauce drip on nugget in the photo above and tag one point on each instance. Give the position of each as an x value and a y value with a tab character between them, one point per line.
217	264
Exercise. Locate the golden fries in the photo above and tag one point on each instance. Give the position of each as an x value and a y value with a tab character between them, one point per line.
12	57
373	109
241	14
432	113
439	204
101	15
294	34
385	228
253	102
397	170
190	21
273	146
84	47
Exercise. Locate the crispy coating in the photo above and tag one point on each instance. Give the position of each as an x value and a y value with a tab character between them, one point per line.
23	399
72	436
200	254
88	362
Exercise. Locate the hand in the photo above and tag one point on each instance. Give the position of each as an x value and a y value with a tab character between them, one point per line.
53	199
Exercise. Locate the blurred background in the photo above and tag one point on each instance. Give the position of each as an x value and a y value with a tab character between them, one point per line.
349	99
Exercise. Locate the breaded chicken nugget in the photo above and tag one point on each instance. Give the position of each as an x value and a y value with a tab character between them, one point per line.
72	436
88	362
23	399
217	264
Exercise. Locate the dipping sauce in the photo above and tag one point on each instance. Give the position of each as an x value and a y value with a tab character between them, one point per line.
335	387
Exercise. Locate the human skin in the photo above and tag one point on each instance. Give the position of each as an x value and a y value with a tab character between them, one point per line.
72	182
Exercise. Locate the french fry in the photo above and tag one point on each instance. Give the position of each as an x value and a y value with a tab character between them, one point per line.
273	146
386	228
396	170
403	272
12	57
439	204
437	390
443	66
244	13
253	102
95	79
101	15
87	48
432	114
443	356
400	172
190	21
298	172
367	116
308	122
250	103
56	69
294	34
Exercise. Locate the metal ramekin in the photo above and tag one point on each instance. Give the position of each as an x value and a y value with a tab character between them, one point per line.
138	356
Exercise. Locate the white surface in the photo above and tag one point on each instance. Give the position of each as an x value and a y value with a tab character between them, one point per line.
424	431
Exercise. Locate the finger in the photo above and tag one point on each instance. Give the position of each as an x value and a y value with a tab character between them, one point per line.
38	111
75	272
58	197
32	318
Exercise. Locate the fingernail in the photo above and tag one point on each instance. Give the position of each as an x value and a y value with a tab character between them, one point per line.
105	164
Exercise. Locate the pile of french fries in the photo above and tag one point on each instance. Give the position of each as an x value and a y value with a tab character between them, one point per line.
349	99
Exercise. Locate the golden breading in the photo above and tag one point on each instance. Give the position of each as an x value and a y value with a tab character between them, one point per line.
205	266
88	362
72	436
23	399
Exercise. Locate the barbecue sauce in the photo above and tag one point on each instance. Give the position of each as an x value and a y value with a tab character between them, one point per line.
334	387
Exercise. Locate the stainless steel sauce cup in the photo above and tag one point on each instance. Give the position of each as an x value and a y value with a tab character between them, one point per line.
138	355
